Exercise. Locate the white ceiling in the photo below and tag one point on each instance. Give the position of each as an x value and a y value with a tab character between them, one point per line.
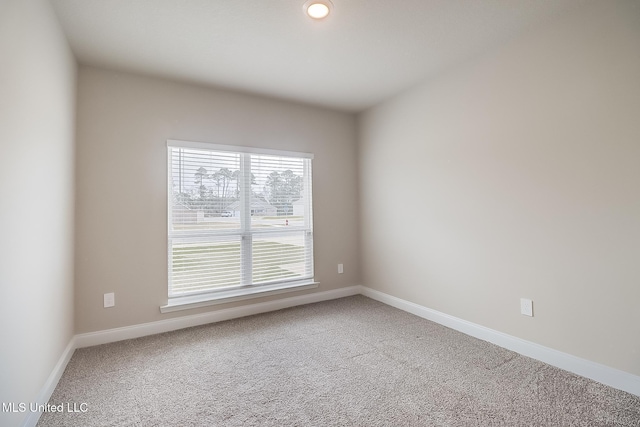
364	52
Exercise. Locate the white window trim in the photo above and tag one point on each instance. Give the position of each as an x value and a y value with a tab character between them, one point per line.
209	298
222	297
236	148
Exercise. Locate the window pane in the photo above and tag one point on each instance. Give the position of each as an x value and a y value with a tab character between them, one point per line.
205	190
277	191
205	265
279	257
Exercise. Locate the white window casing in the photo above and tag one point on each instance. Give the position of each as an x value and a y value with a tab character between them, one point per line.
240	223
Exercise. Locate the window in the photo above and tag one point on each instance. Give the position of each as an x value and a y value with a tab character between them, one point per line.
240	221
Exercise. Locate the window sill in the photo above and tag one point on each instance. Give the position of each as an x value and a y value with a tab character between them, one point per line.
204	300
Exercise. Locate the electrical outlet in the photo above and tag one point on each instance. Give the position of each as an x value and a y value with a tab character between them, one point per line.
340	268
526	307
109	300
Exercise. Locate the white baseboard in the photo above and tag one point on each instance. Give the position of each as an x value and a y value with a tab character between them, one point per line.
50	385
136	331
586	368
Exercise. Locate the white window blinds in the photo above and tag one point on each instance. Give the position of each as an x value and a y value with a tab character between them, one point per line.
238	217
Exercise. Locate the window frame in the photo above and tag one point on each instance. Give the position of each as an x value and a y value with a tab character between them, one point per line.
246	234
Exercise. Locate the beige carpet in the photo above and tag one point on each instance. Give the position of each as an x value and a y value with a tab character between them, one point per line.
347	362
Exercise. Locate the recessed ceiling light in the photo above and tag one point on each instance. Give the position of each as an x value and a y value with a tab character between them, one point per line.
318	9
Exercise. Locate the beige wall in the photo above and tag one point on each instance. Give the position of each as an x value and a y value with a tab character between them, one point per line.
518	175
124	121
37	97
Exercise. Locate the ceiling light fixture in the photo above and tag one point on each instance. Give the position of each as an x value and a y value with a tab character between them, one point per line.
318	9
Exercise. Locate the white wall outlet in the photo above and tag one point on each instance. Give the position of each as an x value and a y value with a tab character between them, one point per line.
340	268
526	307
109	300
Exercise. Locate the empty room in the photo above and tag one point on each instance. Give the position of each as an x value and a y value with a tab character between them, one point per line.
323	213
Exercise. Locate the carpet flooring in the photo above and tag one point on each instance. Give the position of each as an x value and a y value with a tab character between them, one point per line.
347	362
